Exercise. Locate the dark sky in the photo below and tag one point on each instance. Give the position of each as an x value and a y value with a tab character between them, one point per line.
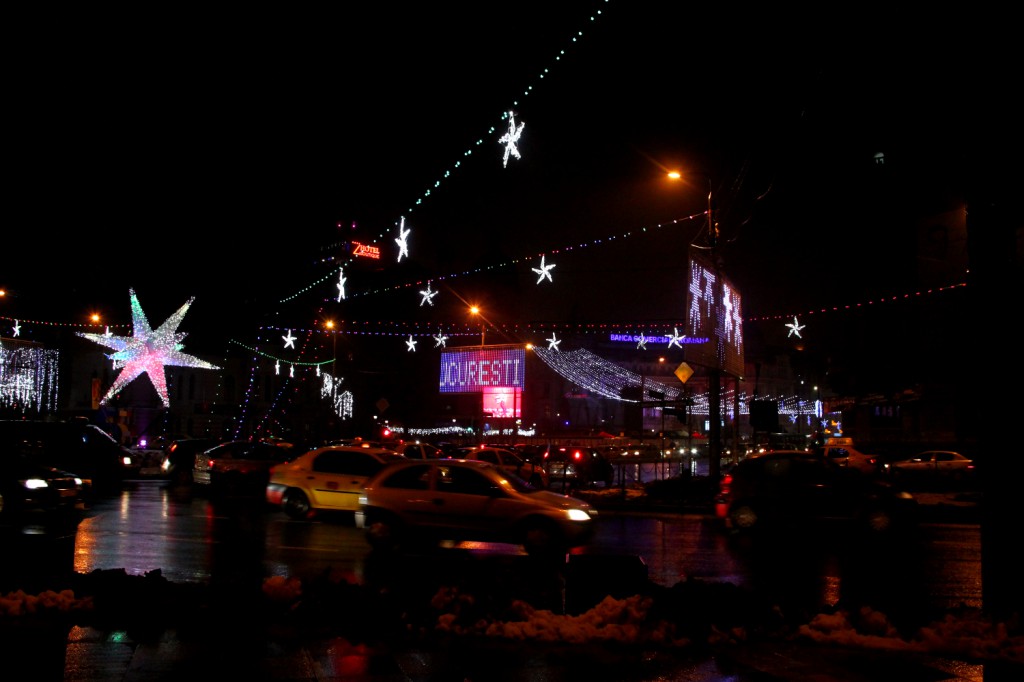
214	155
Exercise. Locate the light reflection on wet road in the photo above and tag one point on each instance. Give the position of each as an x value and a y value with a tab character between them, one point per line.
189	538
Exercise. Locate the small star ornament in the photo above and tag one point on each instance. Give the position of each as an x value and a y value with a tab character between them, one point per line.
17	329
511	138
553	342
642	342
440	341
428	296
411	344
402	240
147	351
544	271
289	340
676	340
795	327
341	285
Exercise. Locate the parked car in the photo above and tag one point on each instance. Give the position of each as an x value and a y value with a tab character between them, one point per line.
460	499
240	466
34	497
75	446
571	468
181	456
800	489
509	461
419	451
329	478
933	466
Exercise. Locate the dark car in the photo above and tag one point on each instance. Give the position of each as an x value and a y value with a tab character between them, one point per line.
181	456
75	446
419	450
33	496
787	489
572	468
238	467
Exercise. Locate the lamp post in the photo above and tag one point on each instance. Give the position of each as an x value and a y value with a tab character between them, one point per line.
714	371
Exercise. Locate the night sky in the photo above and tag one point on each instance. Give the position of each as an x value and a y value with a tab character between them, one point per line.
216	155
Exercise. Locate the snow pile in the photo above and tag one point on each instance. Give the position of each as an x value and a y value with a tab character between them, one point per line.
968	635
20	603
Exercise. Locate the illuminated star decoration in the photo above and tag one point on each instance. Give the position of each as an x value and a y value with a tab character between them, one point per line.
277	367
148	351
17	328
642	342
553	342
510	139
439	341
676	339
428	296
401	240
411	343
341	285
289	340
544	271
106	332
795	327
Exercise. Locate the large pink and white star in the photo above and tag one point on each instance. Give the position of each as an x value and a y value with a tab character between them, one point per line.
147	351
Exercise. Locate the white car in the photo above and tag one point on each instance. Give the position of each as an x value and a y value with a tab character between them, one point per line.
461	499
933	465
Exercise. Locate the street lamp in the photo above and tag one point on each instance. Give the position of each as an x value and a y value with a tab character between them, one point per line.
475	310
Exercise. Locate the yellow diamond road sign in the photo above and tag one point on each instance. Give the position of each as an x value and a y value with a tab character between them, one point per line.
684	372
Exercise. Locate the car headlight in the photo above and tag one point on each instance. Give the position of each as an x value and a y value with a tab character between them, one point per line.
577	515
35	483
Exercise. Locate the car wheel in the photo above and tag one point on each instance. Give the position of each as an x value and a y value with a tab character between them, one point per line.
383	533
542	538
744	517
296	504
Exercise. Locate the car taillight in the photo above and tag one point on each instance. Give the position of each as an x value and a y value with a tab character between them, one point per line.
577	455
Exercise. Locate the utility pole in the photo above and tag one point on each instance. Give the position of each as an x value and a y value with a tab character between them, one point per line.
715	372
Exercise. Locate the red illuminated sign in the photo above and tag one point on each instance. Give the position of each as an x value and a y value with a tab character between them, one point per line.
365	250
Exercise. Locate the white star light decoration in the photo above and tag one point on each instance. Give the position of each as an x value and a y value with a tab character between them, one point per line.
147	351
440	341
106	332
17	329
341	285
510	139
544	271
411	343
553	342
795	327
676	340
402	240
642	342
428	296
289	340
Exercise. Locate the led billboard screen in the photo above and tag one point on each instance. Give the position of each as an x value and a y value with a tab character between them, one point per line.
713	311
474	370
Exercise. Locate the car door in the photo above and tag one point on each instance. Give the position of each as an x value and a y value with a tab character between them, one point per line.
465	500
338	477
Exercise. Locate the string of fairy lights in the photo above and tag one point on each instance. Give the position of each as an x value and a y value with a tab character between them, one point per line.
17	373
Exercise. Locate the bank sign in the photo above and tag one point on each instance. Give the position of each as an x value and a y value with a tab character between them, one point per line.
475	370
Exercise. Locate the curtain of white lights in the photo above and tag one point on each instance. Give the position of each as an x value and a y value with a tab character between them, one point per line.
28	378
